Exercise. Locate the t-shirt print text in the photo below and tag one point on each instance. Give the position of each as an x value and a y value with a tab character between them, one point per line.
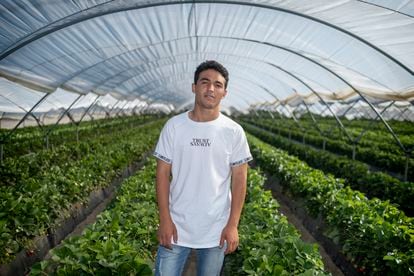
200	142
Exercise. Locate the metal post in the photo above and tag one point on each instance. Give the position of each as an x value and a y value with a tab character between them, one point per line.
295	119
313	118
407	159
59	119
72	120
112	108
26	115
387	126
87	110
65	112
369	126
8	135
142	108
19	107
1	153
121	109
134	113
83	115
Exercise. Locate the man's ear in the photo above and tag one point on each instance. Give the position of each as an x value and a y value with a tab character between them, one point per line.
193	88
225	93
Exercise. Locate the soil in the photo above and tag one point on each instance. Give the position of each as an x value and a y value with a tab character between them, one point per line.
306	236
190	268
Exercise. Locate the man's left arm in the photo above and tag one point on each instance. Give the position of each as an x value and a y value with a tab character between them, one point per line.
230	233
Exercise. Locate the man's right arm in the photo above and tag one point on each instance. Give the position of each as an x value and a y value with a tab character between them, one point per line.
167	227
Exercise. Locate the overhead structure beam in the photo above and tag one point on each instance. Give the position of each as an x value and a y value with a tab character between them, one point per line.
386	8
114	7
150	62
320	98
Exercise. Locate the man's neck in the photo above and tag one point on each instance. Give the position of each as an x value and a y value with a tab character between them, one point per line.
204	115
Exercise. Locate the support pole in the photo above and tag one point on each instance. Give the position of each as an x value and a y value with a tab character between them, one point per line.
83	115
369	126
112	108
1	153
31	114
121	109
407	161
8	135
390	130
26	115
59	119
313	118
87	110
401	114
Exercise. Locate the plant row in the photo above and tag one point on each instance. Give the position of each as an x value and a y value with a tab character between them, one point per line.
123	242
376	237
32	139
374	139
269	245
38	189
356	174
375	126
378	139
385	160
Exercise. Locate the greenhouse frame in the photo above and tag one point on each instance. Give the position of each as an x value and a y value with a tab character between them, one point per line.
304	70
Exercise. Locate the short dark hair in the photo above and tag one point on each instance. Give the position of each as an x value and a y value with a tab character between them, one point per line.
211	64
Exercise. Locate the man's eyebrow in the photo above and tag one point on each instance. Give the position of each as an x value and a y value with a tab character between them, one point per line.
217	81
207	79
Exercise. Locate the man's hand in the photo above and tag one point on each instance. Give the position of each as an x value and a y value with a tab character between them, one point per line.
165	232
238	193
231	236
167	227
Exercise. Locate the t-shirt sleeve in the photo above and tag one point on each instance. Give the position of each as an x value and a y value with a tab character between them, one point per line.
164	148
241	152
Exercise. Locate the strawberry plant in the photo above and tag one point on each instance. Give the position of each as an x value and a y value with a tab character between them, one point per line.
355	173
377	237
121	242
55	179
269	245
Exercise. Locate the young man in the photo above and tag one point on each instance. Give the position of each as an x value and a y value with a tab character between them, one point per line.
206	153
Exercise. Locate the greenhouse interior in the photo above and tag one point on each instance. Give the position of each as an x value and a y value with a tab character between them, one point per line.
324	91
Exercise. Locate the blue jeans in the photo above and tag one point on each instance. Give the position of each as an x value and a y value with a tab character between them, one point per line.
171	262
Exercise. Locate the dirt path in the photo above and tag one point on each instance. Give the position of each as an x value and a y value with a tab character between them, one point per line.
305	234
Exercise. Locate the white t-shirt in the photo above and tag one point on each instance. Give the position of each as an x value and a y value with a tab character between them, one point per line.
201	155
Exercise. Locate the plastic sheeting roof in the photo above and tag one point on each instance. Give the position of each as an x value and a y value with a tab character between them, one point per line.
276	51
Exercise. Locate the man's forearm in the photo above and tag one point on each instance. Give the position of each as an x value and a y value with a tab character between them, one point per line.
163	200
238	193
163	190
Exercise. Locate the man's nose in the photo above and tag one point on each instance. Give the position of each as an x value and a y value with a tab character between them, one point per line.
210	87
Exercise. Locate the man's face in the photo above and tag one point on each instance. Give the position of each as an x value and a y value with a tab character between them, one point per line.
209	89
